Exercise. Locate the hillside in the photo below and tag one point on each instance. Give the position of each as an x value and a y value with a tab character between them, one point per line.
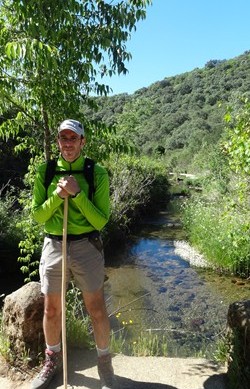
181	112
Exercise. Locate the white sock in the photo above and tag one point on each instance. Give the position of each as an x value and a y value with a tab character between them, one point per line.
55	348
102	351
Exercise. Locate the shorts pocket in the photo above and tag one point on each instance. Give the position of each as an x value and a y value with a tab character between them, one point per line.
96	241
45	246
42	271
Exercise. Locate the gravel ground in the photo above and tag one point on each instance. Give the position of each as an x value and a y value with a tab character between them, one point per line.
136	373
185	251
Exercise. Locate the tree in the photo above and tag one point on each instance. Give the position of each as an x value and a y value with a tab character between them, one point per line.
51	55
237	144
130	120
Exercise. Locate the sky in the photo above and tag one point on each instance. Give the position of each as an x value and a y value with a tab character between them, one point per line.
178	36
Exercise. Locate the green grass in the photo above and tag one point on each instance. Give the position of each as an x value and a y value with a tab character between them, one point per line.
78	323
149	344
220	232
5	347
144	345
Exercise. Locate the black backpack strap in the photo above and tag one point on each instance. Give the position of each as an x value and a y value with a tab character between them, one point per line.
49	173
88	171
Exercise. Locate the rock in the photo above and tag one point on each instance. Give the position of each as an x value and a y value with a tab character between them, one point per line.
239	329
22	321
240	283
189	254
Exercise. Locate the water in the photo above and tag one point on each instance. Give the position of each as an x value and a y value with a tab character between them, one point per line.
153	289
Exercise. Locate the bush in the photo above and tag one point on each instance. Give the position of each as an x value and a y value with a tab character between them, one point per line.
220	230
78	324
9	216
135	183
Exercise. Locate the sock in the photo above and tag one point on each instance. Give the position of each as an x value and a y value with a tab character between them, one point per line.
102	351
55	348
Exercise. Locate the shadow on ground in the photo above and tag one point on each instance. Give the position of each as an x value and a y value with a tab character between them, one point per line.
83	361
81	381
216	381
82	374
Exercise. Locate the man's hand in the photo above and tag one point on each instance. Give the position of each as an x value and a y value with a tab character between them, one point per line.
61	192
67	186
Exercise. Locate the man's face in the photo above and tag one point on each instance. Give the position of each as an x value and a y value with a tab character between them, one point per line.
70	145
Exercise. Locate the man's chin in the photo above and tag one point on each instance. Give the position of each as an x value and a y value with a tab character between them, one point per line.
69	157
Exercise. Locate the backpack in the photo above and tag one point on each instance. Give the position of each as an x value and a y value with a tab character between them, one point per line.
88	172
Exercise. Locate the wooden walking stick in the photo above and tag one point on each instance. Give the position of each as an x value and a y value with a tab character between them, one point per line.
63	295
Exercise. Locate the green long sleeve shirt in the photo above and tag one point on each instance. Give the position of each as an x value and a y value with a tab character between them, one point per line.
83	215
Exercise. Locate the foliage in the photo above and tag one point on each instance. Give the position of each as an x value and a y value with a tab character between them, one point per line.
183	114
117	342
222	352
217	221
134	184
149	345
220	230
47	73
144	345
9	216
130	121
5	350
47	70
31	242
237	145
77	320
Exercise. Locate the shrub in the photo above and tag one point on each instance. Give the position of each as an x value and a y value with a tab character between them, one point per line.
135	183
9	216
78	325
220	230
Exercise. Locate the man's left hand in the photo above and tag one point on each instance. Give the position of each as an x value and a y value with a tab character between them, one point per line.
69	184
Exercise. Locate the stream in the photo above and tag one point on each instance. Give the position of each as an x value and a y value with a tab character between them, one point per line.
153	289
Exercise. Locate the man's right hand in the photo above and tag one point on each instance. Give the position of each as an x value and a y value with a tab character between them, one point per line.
62	192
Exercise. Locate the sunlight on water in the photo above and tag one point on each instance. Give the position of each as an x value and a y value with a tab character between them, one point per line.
153	288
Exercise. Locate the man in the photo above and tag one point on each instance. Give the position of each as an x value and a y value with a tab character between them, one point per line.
85	261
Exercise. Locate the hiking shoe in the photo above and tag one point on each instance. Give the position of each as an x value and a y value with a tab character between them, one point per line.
106	372
52	364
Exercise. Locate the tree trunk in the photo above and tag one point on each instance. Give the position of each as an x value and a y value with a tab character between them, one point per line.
47	146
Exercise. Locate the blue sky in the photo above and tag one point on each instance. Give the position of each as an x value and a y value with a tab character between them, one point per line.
180	35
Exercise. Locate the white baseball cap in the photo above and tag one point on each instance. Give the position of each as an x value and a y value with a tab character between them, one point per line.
73	125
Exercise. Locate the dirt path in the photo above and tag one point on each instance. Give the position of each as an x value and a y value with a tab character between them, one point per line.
135	373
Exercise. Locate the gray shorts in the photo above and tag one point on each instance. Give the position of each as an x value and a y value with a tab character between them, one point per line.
85	265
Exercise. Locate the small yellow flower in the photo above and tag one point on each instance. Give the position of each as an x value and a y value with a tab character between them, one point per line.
130	321
118	314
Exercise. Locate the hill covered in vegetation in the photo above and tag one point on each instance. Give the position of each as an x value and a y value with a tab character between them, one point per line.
181	116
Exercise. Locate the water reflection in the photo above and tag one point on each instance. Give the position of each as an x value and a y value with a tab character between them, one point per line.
155	289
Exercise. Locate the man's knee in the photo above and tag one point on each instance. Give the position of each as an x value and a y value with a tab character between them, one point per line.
95	305
51	311
52	307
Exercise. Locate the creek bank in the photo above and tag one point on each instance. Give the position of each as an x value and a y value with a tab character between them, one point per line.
194	258
187	252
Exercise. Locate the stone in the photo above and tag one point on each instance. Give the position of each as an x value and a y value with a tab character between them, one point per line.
23	321
239	329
